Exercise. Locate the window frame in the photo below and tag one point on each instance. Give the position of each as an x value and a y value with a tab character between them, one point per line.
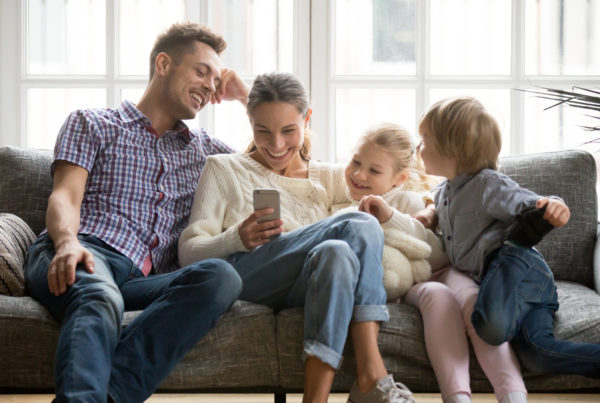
325	82
14	81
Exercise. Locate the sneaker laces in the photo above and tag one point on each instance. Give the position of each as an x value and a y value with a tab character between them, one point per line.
396	391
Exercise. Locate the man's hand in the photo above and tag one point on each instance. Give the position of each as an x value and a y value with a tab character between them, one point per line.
557	213
61	272
377	207
427	217
231	88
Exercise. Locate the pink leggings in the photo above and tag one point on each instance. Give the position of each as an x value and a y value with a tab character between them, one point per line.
446	303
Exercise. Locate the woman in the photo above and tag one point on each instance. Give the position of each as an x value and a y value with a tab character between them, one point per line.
331	266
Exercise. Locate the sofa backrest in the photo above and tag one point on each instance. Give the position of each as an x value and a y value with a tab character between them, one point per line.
570	175
25	184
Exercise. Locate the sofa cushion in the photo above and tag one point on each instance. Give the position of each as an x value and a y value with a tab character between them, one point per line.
240	351
26	184
571	175
15	239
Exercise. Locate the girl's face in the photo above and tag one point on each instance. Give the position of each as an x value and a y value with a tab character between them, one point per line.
371	171
278	135
435	163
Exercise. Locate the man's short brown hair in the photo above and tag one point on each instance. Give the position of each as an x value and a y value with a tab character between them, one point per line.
181	38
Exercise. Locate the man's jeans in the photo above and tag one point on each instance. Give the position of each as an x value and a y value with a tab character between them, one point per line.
517	301
331	268
94	355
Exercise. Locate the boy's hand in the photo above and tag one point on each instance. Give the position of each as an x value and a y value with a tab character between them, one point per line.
232	87
557	213
427	217
376	206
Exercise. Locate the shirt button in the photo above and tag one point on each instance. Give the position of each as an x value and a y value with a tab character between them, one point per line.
445	202
448	237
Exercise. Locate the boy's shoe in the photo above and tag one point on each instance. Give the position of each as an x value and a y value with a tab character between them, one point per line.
385	390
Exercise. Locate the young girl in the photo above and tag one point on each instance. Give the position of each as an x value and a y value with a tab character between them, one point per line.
383	166
475	205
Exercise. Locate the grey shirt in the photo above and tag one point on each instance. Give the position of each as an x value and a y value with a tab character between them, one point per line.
473	212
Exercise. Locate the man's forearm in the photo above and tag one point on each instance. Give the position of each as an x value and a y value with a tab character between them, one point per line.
62	219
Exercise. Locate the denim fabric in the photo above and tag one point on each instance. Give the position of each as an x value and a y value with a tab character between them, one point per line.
94	355
517	301
331	268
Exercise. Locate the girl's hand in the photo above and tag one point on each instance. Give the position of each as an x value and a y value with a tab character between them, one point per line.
557	213
376	206
253	233
427	216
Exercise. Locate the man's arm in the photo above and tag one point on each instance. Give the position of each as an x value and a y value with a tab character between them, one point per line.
62	221
231	88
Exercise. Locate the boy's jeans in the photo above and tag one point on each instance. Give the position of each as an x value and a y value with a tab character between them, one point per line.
331	268
94	356
517	301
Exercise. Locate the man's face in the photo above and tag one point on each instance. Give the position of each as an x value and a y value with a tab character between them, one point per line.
190	83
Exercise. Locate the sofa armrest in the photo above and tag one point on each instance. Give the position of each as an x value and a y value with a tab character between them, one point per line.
597	261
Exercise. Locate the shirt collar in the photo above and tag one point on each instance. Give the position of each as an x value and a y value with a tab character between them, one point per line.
130	113
459	181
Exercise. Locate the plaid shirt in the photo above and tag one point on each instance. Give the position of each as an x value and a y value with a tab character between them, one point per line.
140	186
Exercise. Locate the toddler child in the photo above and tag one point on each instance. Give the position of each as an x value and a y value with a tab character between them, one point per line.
382	170
475	205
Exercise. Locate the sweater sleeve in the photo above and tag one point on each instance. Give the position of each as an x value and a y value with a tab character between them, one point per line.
205	236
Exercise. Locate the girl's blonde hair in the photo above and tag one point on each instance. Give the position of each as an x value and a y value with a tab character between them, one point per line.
397	141
280	87
461	128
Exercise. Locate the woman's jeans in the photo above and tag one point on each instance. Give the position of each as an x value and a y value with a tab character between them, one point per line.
95	355
517	301
331	268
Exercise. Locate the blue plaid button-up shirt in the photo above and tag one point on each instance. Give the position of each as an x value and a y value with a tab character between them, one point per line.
140	186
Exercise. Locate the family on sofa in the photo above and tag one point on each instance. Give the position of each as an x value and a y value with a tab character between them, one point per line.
146	214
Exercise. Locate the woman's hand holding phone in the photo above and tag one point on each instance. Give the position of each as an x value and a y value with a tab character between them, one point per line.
264	224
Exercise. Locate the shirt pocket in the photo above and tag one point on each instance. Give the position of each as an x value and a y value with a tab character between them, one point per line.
466	231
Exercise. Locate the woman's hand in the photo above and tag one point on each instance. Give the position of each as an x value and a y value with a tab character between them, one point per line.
557	213
427	216
232	87
376	206
253	233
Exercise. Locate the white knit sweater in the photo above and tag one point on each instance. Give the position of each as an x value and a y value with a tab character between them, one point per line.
223	200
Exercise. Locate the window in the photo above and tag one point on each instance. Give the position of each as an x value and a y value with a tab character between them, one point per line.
364	61
390	59
95	53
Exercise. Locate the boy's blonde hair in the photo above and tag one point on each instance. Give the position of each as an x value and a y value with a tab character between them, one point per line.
461	128
397	141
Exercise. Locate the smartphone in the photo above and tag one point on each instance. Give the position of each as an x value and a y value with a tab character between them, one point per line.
264	198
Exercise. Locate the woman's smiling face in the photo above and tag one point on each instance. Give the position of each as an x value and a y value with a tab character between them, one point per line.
278	135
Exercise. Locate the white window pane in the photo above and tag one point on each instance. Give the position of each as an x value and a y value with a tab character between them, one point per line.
562	37
470	37
557	128
375	37
47	109
358	109
259	34
232	125
66	37
132	94
140	22
496	101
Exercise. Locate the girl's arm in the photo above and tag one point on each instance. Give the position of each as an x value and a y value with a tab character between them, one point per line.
205	237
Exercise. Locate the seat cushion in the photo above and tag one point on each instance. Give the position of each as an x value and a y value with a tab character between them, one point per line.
239	351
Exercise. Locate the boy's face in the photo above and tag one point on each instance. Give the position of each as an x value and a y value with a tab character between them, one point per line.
371	171
435	163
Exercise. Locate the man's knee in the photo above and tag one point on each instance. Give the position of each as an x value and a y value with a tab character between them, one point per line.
215	277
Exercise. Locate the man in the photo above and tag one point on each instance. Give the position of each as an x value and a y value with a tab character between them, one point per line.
124	181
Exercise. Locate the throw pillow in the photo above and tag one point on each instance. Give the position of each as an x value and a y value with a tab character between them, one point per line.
15	238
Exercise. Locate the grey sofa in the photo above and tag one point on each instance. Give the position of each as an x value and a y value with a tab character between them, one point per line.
254	349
